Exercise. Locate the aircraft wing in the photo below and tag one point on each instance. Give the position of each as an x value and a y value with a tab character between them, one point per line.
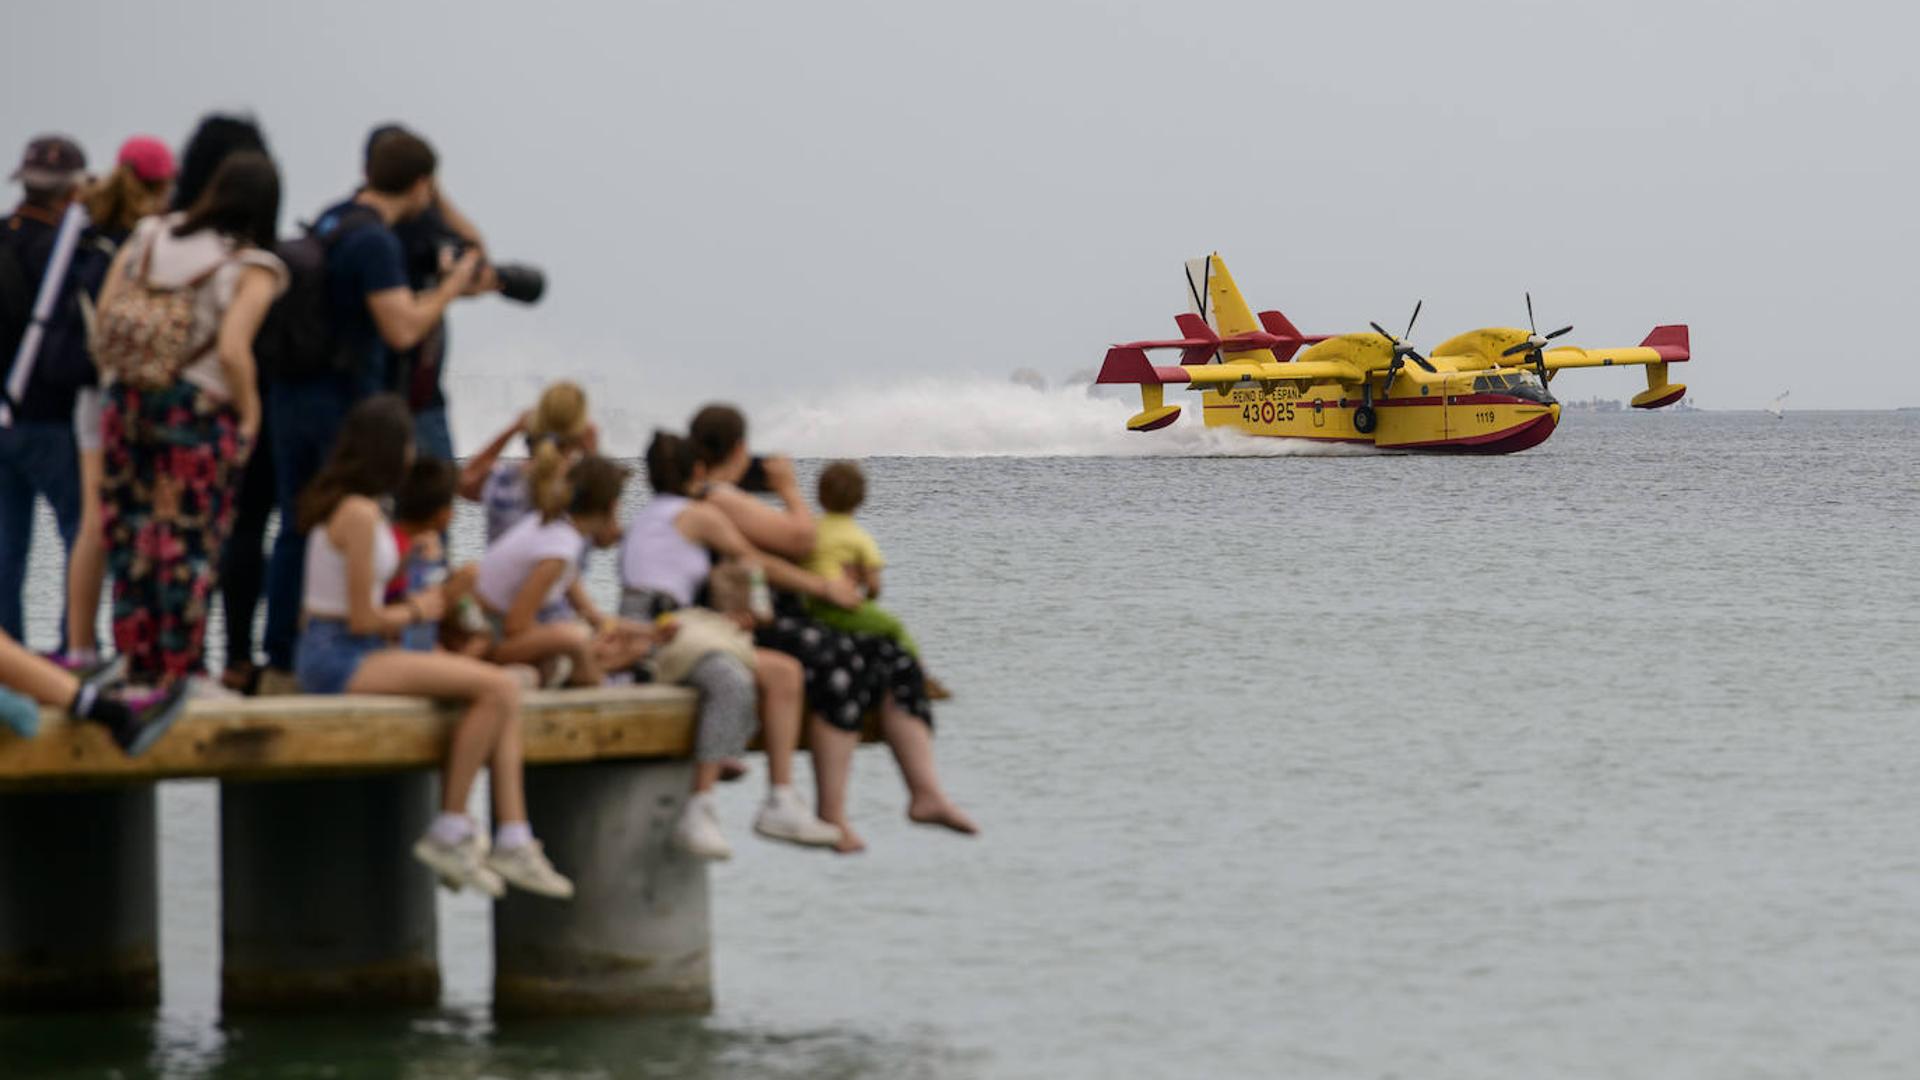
1665	344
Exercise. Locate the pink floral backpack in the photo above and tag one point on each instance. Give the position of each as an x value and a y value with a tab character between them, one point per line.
145	337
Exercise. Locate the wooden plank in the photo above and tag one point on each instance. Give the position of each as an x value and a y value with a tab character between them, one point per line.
312	735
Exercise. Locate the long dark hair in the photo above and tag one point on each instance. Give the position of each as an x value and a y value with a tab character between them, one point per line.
242	201
369	458
218	136
670	464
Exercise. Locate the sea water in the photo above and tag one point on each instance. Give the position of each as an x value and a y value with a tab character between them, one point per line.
1597	760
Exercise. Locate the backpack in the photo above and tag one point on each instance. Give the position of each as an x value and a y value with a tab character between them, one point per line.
145	336
65	359
298	339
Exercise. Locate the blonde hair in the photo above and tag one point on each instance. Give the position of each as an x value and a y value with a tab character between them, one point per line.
557	427
120	199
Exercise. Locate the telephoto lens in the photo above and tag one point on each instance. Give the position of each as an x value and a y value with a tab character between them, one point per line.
520	282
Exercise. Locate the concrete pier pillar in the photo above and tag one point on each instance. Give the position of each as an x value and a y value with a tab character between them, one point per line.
79	904
636	937
322	903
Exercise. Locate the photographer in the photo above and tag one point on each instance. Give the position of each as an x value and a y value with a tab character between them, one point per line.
374	315
418	374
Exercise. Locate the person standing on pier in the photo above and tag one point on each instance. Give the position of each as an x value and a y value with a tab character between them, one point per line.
177	318
374	314
40	379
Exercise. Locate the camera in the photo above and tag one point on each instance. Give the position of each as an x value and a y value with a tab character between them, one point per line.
755	479
523	283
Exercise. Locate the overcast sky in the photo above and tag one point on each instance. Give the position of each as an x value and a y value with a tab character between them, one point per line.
762	201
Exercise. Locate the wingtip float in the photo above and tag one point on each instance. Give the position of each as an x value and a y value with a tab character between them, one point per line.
1481	392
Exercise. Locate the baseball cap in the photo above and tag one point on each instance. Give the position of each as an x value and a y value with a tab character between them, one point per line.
51	161
148	157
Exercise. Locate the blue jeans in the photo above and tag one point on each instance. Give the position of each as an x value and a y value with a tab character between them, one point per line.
330	654
431	435
38	459
304	419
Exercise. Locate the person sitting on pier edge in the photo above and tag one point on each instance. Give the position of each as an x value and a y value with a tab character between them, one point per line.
179	421
848	675
664	564
136	721
136	188
373	313
347	647
536	563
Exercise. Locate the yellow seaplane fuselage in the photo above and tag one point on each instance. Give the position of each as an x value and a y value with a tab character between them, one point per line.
1362	388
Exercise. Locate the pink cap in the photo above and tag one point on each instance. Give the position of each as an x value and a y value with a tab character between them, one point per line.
148	157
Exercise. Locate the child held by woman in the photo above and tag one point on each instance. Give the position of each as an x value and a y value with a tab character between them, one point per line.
422	513
842	548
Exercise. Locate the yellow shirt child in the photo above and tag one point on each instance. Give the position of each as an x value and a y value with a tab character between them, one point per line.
841	548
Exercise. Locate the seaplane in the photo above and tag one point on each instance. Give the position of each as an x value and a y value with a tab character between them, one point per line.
1481	392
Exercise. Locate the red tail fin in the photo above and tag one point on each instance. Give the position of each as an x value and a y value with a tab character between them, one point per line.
1196	328
1281	327
1670	342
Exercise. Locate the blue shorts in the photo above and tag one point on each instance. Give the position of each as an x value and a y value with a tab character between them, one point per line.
328	654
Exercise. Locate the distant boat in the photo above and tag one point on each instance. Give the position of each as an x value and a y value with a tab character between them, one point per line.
1779	405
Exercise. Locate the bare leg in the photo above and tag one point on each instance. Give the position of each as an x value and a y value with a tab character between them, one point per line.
705	775
507	768
38	678
87	563
548	640
781	681
912	743
493	698
832	769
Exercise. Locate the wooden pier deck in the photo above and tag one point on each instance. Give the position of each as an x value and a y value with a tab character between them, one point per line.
303	736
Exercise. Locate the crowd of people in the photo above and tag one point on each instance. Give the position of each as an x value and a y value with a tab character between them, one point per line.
178	377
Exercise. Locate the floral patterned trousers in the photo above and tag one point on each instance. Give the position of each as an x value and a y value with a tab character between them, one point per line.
173	466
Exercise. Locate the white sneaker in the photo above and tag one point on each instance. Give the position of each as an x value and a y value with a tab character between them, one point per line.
784	816
201	688
461	865
698	831
526	867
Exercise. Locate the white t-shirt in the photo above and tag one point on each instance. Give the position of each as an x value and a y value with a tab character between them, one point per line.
510	560
178	260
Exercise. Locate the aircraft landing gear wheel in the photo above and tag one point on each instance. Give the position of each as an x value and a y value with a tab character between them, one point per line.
1364	420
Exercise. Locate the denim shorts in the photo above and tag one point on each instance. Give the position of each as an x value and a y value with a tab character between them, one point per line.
328	654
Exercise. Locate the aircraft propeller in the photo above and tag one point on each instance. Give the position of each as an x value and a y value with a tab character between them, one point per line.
1401	350
1536	343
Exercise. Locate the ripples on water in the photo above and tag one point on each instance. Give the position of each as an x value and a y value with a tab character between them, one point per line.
1591	761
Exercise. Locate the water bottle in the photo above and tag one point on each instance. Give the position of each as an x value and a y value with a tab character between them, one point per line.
467	613
759	597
